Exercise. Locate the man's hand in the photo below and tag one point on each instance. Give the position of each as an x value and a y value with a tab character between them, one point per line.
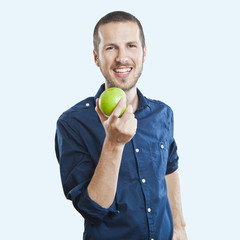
180	234
118	130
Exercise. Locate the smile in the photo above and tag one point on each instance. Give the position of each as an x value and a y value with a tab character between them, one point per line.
123	70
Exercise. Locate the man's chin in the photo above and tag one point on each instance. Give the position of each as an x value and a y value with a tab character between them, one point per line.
123	84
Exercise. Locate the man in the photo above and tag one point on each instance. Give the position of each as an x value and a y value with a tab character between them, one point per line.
115	169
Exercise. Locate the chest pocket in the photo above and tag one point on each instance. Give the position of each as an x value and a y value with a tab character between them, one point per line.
159	157
128	168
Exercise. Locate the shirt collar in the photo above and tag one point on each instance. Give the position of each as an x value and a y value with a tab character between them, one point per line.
142	100
99	92
143	103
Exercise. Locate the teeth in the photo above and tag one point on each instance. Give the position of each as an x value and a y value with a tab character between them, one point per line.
122	70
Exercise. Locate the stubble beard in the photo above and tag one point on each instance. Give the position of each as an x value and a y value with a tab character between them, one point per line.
112	84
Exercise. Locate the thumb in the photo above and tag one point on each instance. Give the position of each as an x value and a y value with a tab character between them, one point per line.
118	109
102	117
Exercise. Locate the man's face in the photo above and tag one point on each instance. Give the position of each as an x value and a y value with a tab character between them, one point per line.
120	55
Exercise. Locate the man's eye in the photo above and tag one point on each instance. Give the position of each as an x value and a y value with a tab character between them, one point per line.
132	46
110	48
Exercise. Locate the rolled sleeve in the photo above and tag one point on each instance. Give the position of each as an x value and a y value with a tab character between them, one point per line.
172	164
77	168
90	210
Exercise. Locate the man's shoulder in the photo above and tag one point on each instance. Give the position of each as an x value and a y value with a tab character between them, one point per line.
154	103
82	109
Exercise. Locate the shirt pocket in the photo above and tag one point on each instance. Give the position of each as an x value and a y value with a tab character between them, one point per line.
159	157
128	168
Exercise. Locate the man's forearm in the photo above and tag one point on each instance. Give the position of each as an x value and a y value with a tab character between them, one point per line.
174	197
103	185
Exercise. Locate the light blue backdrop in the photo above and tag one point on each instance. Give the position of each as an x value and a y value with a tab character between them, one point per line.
46	66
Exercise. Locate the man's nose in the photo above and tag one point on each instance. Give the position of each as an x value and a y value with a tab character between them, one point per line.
122	57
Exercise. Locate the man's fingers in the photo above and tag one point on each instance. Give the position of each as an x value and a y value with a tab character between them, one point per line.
129	109
118	109
128	112
100	114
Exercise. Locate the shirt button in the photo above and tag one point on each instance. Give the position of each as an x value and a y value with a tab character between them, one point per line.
149	209
87	104
162	146
143	180
137	150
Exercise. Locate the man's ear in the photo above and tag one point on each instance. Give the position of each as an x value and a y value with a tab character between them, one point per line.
96	60
144	53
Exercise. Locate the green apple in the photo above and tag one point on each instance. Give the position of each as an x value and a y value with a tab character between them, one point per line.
109	100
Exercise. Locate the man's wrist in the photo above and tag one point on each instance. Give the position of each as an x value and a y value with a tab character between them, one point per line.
114	145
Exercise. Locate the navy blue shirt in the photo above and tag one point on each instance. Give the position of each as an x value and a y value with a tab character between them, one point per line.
141	210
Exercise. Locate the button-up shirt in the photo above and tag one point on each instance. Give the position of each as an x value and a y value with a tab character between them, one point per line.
140	210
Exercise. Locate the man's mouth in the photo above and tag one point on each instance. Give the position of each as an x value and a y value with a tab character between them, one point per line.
123	70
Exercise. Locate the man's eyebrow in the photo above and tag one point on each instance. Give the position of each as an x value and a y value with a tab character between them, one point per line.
109	44
114	44
134	42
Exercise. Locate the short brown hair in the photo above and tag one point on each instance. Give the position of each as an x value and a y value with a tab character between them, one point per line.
117	16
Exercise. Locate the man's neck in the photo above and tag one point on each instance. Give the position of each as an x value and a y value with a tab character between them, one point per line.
132	98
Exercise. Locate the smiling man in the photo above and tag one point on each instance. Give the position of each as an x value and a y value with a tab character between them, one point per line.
121	172
120	54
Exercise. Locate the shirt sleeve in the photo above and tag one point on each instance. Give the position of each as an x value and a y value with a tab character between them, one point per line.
77	168
172	164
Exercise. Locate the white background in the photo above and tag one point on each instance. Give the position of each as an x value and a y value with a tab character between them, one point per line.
46	66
